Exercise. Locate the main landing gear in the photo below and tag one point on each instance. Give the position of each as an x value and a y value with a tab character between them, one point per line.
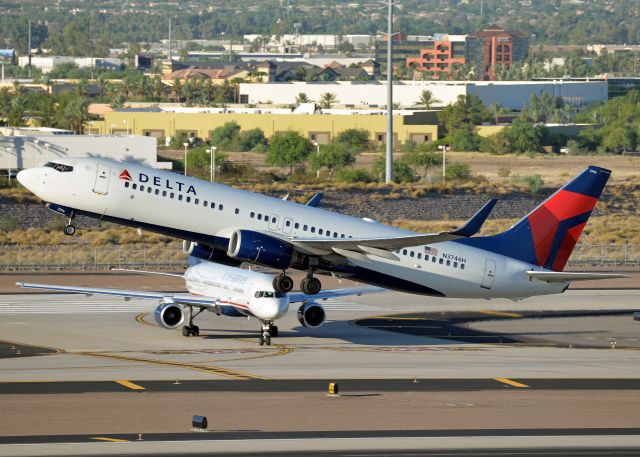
267	331
70	229
310	285
283	283
191	329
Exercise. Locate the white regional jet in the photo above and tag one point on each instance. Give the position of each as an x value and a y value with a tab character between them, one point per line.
223	290
227	225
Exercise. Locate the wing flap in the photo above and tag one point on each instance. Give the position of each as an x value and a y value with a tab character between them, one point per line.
562	276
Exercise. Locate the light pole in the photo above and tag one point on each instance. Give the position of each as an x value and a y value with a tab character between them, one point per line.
9	171
443	148
212	154
35	152
46	147
185	144
317	145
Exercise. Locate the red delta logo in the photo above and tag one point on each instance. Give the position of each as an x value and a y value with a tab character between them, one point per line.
126	176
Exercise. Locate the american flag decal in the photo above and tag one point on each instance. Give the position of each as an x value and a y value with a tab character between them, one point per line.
430	251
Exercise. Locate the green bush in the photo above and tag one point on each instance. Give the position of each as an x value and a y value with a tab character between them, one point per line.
353	175
457	170
533	183
253	140
465	140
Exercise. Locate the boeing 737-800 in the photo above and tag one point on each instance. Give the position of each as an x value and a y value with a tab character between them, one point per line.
228	225
224	290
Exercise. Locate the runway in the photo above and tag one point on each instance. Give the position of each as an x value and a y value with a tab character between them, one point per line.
426	365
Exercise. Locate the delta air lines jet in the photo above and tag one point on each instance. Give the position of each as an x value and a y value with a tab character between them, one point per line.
223	290
230	226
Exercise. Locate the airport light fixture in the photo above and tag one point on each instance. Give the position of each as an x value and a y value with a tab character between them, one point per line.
212	153
317	145
185	144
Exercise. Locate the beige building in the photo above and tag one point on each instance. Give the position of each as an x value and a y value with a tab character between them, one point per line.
416	126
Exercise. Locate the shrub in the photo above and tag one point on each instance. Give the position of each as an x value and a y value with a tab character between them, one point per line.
353	175
457	170
253	140
533	183
465	140
504	172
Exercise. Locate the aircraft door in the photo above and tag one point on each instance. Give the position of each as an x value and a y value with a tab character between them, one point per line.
273	222
103	174
489	273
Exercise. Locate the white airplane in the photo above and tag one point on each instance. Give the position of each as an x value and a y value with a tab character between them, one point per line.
223	290
230	226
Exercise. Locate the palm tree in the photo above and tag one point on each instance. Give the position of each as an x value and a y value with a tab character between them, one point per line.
158	88
303	98
427	100
102	85
327	100
177	90
74	114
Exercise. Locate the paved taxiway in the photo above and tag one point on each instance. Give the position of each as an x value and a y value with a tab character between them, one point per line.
102	363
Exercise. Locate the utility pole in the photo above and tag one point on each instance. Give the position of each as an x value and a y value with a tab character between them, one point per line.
481	8
169	41
389	153
29	50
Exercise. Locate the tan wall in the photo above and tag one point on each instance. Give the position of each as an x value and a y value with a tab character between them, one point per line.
204	123
488	130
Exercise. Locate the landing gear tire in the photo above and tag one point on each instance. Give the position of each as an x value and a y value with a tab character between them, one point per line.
195	330
186	331
189	330
273	331
69	230
267	340
310	285
283	283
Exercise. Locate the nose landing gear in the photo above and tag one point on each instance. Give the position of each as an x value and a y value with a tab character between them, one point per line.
267	331
70	229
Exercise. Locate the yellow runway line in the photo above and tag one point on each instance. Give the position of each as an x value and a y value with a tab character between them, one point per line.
140	319
130	385
511	382
499	313
110	440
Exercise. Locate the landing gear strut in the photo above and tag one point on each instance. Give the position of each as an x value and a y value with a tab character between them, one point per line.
267	331
310	285
191	329
70	229
283	283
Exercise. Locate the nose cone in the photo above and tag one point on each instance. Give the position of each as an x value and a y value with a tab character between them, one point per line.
28	178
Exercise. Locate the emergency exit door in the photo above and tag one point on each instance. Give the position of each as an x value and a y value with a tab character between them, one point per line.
103	174
489	273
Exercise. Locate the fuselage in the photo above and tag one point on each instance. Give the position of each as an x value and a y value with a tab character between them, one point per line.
208	213
237	292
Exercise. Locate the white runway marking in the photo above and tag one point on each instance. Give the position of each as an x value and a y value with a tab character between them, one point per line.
338	304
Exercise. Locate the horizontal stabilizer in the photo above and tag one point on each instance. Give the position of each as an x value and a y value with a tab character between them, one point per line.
474	224
563	276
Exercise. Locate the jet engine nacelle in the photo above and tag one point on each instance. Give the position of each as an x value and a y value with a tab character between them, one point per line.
256	247
204	252
311	315
169	315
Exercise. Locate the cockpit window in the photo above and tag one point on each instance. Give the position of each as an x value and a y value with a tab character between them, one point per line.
59	167
268	294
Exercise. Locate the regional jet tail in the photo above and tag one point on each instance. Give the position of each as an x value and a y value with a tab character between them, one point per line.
223	290
231	226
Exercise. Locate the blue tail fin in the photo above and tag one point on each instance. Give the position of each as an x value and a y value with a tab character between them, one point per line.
547	235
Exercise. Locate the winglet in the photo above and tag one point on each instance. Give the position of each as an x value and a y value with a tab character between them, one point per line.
474	224
315	200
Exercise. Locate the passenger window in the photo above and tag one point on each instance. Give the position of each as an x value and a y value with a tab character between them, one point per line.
288	223
404	252
205	203
180	197
335	234
433	259
411	254
141	188
259	216
164	193
220	206
149	190
213	205
126	184
188	199
313	230
296	226
171	195
342	236
441	261
237	211
134	186
252	215
455	264
319	231
448	263
419	255
196	201
157	191
304	227
273	220
462	266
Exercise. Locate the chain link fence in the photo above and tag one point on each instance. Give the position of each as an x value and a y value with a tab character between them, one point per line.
170	256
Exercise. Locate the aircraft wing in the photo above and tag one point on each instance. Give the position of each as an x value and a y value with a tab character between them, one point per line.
298	297
357	248
181	298
562	276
